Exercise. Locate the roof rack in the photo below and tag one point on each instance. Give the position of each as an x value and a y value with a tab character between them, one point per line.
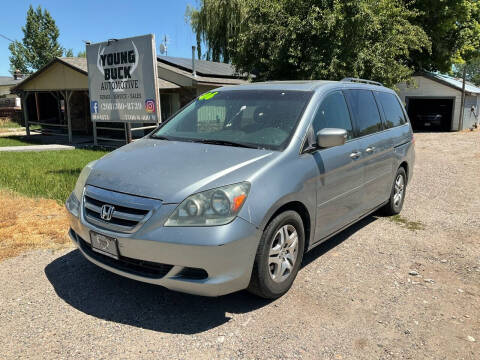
350	79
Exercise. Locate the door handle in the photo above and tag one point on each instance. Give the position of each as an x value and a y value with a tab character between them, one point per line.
355	155
370	149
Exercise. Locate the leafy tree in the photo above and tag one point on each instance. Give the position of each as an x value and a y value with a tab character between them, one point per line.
69	53
329	39
215	24
39	44
472	72
454	30
82	54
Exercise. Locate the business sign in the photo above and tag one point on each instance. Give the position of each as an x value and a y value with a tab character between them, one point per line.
122	80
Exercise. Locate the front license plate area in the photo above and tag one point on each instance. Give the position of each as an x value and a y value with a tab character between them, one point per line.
105	245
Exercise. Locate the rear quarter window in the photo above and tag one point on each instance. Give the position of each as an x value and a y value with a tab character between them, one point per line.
364	110
393	112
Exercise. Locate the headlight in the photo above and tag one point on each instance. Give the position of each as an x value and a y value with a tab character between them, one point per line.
212	207
82	179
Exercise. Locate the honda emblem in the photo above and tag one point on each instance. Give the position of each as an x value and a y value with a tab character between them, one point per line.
107	212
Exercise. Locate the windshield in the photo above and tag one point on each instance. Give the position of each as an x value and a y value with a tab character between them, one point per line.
264	119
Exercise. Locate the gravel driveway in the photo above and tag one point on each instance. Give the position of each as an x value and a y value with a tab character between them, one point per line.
353	299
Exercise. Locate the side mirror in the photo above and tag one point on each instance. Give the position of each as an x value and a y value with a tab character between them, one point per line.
329	137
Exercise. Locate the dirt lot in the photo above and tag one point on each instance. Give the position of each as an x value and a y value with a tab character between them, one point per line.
353	299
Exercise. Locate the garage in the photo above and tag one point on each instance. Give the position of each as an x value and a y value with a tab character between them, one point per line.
434	102
427	114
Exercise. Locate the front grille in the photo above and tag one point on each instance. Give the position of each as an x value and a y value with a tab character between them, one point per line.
128	214
137	267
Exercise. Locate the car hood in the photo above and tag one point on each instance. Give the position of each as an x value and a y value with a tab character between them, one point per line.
172	170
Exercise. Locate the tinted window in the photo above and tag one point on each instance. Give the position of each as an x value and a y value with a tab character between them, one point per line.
333	113
394	115
365	111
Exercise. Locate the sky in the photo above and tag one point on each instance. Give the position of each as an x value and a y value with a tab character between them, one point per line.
100	20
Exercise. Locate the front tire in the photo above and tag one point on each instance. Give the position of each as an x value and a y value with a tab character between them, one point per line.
397	195
279	256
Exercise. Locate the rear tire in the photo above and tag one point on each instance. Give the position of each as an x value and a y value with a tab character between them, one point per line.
397	195
279	256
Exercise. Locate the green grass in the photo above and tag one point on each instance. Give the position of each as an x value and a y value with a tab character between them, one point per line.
9	125
47	174
18	141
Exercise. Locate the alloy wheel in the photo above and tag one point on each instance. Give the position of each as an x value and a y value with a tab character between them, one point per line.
283	253
399	189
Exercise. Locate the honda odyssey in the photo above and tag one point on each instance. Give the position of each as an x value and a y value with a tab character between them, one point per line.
233	189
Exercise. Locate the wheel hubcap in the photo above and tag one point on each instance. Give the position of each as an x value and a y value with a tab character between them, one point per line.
283	253
399	189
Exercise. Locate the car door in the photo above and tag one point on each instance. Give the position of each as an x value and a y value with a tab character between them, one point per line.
340	179
375	144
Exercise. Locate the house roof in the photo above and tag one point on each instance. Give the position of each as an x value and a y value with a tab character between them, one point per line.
208	72
202	67
452	82
8	80
79	63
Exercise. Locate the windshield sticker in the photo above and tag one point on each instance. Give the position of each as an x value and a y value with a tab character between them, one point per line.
208	95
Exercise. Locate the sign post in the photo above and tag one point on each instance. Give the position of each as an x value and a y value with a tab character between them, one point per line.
122	81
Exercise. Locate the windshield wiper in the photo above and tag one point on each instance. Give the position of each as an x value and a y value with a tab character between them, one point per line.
160	137
225	142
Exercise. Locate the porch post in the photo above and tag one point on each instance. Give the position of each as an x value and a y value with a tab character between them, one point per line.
68	95
37	106
128	132
25	112
95	142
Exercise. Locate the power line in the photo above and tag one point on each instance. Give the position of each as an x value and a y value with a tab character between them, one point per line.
6	38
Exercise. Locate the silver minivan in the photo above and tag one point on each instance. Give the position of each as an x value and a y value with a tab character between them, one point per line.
234	188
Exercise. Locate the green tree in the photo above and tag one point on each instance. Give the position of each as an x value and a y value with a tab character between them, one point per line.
454	31
215	24
472	72
68	53
329	39
39	44
82	54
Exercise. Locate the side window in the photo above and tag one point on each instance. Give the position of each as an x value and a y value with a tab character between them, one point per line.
211	118
394	115
333	113
364	111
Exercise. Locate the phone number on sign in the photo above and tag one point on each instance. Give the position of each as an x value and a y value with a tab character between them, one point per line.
121	106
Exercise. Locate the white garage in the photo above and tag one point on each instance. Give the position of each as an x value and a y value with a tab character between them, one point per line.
433	102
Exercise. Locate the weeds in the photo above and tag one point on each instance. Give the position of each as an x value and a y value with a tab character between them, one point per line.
410	225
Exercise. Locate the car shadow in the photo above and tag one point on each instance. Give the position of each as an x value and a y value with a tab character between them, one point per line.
111	297
336	240
104	295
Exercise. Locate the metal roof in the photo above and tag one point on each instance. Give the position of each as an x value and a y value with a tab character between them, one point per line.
453	82
202	67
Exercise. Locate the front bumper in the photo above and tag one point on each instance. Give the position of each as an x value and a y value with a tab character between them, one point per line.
226	253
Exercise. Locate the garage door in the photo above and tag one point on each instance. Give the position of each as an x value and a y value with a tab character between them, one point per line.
430	114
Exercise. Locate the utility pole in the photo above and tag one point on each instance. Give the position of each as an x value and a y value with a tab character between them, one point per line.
462	106
128	132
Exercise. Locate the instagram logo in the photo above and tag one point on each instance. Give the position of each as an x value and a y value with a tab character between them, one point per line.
150	106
